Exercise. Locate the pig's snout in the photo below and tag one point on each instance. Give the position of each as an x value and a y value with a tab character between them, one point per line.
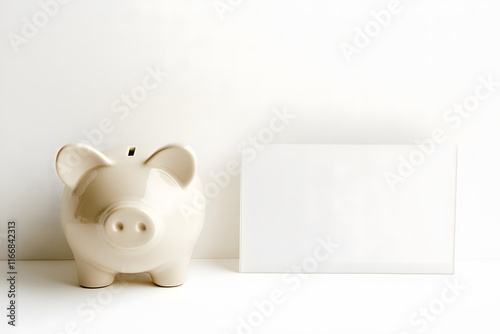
129	227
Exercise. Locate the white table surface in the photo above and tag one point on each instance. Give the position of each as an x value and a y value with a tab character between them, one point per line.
216	299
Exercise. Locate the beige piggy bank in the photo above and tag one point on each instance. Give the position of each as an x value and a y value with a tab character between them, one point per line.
130	210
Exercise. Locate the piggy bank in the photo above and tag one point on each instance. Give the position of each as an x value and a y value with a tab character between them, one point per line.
130	210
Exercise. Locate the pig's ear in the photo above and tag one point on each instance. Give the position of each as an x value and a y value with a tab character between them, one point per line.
76	160
176	160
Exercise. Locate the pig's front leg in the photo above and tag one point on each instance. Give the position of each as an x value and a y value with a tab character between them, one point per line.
90	276
173	274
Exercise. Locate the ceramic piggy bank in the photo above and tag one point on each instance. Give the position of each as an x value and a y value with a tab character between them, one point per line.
130	210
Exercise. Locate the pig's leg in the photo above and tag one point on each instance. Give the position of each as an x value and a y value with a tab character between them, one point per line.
173	274
90	276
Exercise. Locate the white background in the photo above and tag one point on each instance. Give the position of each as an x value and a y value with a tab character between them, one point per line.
225	79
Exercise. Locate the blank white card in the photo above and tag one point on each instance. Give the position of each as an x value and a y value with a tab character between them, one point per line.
349	209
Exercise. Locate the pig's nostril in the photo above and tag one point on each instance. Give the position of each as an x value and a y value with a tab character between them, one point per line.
119	226
141	227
